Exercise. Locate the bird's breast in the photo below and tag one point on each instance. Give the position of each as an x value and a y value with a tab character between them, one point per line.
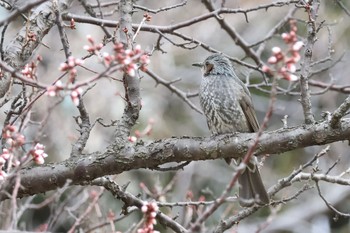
219	99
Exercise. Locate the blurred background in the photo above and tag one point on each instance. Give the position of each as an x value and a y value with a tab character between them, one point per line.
173	117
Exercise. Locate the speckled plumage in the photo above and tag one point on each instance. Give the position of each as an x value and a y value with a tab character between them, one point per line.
228	107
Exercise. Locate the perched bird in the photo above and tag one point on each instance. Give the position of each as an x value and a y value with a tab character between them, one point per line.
228	107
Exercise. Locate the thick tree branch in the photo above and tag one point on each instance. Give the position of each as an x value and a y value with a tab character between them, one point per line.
80	170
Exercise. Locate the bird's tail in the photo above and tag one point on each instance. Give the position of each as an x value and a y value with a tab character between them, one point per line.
252	190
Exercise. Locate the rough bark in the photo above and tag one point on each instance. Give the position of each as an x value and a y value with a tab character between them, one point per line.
151	155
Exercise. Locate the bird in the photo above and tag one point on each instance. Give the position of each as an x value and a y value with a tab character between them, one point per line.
227	105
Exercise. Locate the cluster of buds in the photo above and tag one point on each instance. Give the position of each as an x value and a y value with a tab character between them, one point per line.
29	70
14	140
54	89
93	47
38	154
58	86
69	66
285	63
147	17
128	58
75	95
150	212
145	132
13	137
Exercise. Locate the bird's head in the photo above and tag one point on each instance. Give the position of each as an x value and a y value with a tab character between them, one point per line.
215	64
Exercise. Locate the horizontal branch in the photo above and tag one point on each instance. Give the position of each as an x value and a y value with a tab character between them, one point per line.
183	24
151	155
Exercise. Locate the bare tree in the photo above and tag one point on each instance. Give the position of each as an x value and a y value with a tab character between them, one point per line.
101	120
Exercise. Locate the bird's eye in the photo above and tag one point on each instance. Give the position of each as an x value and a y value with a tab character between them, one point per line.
208	67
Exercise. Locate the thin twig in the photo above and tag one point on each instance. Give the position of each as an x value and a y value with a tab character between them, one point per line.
184	2
87	211
173	89
329	205
61	30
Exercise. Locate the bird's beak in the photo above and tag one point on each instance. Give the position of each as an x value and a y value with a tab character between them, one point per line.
198	64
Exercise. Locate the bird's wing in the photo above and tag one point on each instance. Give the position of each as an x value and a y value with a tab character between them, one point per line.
249	112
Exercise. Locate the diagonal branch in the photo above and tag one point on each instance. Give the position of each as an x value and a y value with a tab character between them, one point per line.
340	112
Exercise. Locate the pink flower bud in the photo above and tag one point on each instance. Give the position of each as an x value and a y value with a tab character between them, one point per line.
131	72
39	160
266	69
144	208
59	84
3	175
285	36
10	141
293	77
71	62
90	39
75	97
291	67
276	50
296	57
5	154
297	46
137	48
128	52
78	62
144	59
63	67
272	60
39	146
127	61
132	139
154	206
153	214
87	47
